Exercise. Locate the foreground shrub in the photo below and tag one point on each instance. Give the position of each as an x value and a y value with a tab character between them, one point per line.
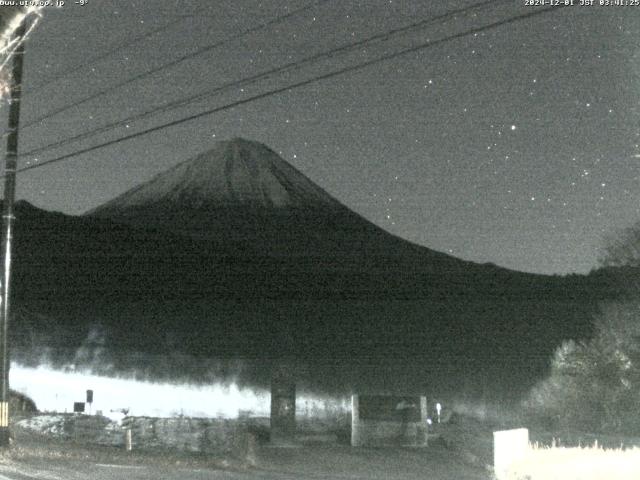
594	385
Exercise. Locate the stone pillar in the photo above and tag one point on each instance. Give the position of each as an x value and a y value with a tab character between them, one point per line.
424	415
283	403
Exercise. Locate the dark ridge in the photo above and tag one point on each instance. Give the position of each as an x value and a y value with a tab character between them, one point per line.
276	268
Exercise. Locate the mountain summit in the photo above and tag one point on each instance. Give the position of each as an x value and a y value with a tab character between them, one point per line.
234	174
242	195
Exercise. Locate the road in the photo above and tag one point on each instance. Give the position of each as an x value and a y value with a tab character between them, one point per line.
313	463
129	472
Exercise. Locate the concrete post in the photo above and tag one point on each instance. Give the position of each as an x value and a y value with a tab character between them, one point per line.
424	415
128	440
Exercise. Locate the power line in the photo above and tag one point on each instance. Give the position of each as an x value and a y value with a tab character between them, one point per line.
92	61
319	78
173	63
254	78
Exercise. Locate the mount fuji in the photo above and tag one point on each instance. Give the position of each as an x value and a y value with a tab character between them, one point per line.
244	197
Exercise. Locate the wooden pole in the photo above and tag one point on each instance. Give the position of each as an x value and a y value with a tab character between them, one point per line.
7	227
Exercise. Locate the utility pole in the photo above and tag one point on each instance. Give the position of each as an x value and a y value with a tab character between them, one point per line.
7	226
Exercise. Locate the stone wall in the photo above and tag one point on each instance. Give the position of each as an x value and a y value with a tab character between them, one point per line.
316	421
205	435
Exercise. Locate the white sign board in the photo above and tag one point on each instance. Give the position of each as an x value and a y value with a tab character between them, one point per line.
509	446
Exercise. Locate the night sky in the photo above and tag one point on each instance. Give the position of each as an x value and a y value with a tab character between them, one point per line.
517	145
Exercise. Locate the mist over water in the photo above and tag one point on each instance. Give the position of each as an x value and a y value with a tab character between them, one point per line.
180	384
57	390
55	372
